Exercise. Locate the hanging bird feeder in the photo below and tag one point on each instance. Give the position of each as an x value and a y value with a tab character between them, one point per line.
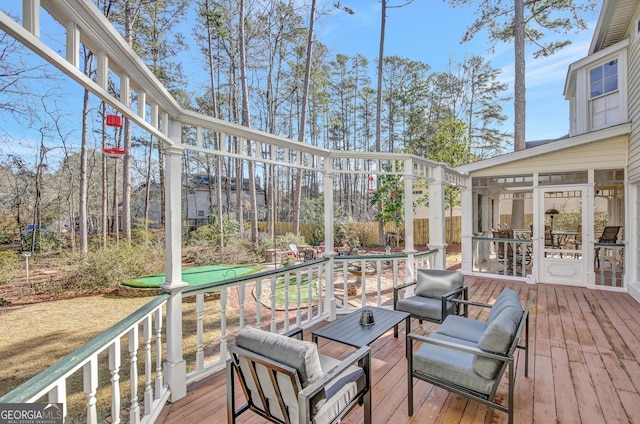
114	152
114	121
370	185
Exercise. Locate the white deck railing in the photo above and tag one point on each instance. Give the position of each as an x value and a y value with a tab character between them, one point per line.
119	375
110	359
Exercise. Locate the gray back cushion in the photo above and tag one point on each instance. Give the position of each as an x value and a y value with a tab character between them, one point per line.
298	354
506	298
497	338
437	282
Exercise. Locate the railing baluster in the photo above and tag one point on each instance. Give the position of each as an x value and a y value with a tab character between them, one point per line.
224	291
115	361
363	282
148	388
58	394
134	414
259	301
90	377
379	281
241	298
274	280
310	279
287	282
299	294
200	331
158	329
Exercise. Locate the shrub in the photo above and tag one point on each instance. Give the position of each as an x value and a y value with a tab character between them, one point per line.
210	233
283	241
9	262
236	251
108	267
287	261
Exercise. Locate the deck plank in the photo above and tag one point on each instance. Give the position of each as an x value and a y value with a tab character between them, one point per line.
584	367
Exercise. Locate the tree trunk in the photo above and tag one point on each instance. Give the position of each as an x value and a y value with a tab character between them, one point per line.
519	79
126	163
383	22
246	121
105	181
217	139
303	119
82	203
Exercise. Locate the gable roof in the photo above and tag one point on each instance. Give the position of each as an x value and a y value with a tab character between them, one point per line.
561	144
613	21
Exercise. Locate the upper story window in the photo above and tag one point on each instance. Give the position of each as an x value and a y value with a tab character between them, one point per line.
604	78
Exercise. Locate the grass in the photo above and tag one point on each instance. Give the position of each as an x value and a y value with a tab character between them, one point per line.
293	291
65	325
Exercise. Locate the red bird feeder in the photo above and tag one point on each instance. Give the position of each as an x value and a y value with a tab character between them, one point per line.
370	188
114	152
114	121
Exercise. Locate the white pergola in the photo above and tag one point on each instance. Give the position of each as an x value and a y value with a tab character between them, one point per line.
157	113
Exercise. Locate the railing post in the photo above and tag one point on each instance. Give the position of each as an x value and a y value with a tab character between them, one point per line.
408	225
437	232
175	367
330	300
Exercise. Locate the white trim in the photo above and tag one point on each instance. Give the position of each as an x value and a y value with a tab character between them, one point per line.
568	143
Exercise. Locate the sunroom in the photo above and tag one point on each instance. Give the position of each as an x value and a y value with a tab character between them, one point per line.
540	215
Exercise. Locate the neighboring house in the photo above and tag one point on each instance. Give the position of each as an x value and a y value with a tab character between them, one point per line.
590	178
138	204
201	199
196	199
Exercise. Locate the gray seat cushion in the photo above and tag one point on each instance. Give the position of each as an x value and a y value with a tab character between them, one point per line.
437	282
426	307
451	365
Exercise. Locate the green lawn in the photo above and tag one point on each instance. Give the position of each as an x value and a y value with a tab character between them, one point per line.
195	276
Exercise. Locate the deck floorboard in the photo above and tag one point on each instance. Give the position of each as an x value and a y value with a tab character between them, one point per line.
584	367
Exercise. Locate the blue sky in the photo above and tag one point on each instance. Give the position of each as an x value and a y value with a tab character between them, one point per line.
430	32
426	31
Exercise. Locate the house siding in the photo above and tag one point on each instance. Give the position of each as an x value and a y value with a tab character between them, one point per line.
602	155
633	76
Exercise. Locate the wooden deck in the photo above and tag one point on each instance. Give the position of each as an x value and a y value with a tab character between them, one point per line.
584	367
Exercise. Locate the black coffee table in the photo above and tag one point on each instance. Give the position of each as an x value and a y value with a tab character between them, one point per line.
348	330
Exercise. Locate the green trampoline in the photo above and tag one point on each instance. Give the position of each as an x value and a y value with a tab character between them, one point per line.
195	276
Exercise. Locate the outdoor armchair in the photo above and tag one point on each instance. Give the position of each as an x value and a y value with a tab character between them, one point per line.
469	357
434	291
285	380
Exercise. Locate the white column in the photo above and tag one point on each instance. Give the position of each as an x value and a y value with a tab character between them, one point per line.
537	234
31	16
175	366
409	249
588	236
436	217
468	217
73	44
328	176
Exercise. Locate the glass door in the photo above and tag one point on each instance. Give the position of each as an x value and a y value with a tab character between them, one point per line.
560	236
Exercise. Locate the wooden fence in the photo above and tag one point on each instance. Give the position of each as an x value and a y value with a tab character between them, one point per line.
368	232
